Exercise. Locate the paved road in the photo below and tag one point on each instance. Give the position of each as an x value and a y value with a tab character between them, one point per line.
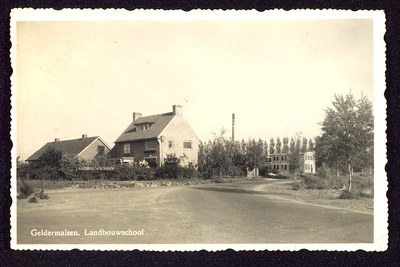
203	214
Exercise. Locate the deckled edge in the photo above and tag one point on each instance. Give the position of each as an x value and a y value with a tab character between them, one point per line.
380	212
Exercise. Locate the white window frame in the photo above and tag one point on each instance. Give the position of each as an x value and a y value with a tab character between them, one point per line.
172	146
189	142
127	147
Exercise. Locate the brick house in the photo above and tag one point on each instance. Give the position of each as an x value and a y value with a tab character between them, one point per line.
307	162
86	147
279	162
153	137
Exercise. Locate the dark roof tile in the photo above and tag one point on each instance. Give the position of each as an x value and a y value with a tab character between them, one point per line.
160	122
75	146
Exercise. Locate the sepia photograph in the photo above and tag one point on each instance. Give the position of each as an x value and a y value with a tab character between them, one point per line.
171	130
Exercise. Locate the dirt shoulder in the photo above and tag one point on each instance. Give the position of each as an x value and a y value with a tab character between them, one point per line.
318	196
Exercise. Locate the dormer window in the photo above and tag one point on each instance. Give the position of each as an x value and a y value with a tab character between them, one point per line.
144	126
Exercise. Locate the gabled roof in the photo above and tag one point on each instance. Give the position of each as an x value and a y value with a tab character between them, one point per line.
160	122
75	146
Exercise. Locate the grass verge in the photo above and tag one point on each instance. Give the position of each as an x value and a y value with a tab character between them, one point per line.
362	185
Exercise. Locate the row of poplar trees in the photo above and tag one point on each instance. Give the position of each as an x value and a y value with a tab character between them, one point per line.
222	157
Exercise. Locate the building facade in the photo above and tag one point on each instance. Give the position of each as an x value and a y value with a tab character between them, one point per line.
152	138
279	162
307	162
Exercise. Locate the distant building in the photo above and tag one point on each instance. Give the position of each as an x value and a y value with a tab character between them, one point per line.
86	147
307	162
279	162
152	138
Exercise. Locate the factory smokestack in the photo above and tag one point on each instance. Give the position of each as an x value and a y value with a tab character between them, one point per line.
233	127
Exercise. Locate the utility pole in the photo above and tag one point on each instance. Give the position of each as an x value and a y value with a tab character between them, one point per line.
233	127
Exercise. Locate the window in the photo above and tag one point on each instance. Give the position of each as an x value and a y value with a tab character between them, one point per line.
100	150
171	144
277	167
281	157
144	126
285	167
127	149
151	144
187	145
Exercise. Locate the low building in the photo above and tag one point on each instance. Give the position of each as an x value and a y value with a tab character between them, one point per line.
86	147
307	162
153	137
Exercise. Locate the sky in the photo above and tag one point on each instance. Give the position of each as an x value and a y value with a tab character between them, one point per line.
276	76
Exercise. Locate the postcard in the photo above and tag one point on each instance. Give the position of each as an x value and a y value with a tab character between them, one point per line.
169	130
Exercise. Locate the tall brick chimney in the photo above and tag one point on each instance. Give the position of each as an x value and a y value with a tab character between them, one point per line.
136	115
56	140
84	136
177	110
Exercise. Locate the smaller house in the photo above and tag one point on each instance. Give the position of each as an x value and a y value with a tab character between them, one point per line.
307	162
279	162
86	147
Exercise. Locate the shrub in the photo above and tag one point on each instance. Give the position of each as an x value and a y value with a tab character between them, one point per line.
33	200
69	164
42	195
337	182
346	194
297	185
324	172
173	171
311	182
125	172
263	171
24	189
46	173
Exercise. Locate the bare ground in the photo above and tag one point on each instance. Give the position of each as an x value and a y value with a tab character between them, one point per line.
281	189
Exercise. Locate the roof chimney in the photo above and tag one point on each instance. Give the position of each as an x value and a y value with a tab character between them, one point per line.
177	110
84	136
56	140
136	116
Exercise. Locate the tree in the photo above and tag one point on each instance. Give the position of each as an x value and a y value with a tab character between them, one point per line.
238	156
23	168
222	163
201	158
304	145
311	145
285	148
271	146
266	150
51	158
347	133
278	145
295	148
292	145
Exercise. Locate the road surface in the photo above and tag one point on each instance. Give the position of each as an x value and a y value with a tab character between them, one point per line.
237	213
